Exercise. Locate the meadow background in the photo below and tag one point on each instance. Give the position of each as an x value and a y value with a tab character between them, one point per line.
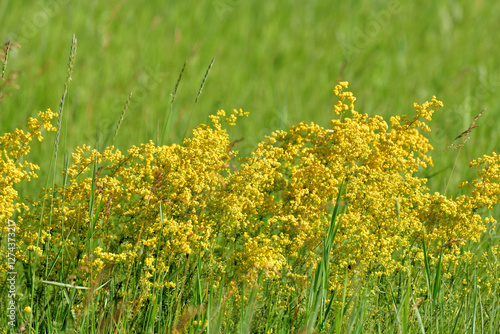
277	60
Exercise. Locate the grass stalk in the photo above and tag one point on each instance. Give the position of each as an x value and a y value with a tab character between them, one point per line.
455	323
5	59
166	128
71	63
199	94
122	116
474	305
318	288
418	316
248	308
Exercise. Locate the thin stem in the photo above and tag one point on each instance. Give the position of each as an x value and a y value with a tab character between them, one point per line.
449	179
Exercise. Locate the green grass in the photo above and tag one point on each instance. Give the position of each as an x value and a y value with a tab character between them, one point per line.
279	60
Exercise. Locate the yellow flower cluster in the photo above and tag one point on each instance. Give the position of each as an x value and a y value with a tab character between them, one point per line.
269	212
14	169
486	188
14	146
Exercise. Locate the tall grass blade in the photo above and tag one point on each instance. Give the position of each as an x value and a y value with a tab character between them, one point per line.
396	310
7	48
247	311
171	110
340	314
481	313
204	80
9	80
93	213
317	290
64	285
174	93
437	280
71	63
199	94
122	116
427	267
152	313
215	312
405	317
474	310
358	320
458	316
419	317
198	287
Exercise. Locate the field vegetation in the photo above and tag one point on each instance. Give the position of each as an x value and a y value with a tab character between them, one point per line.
133	203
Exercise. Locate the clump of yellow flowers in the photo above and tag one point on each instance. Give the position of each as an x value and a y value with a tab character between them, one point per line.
156	205
14	146
14	169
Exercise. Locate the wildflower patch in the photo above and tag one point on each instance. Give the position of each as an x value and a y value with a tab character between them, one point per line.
154	205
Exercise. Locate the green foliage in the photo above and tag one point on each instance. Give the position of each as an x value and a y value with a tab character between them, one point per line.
183	237
277	60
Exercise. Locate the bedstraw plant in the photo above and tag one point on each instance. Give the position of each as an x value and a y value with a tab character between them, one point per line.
191	237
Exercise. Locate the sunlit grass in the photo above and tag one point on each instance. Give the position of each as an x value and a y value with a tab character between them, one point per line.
127	89
73	280
276	60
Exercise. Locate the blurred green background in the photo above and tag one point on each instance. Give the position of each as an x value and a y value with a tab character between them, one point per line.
278	60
